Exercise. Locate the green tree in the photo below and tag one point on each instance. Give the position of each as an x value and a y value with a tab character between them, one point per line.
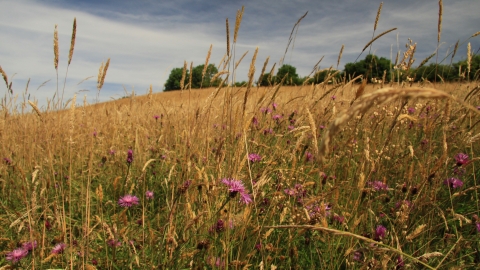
267	80
288	72
370	67
324	74
461	67
429	72
209	73
173	81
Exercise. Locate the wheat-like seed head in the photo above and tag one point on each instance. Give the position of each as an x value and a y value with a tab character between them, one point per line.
228	38
340	54
184	74
99	75
426	60
206	61
377	37
237	23
263	70
72	41
440	13
313	129
476	34
469	57
35	108
104	73
72	116
455	49
4	75
240	60
190	78
55	47
378	16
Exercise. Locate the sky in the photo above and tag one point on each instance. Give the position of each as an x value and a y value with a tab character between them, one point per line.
146	39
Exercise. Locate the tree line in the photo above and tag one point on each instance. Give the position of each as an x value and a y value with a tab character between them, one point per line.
372	67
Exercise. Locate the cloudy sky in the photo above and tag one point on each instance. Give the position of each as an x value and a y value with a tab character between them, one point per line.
145	39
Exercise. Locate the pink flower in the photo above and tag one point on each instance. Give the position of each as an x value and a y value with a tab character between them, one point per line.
254	157
453	182
478	226
380	232
461	159
17	254
128	201
236	186
29	245
59	248
149	194
378	185
130	156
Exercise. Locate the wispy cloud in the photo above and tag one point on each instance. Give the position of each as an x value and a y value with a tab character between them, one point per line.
146	39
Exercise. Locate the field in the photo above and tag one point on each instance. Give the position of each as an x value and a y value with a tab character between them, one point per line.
328	176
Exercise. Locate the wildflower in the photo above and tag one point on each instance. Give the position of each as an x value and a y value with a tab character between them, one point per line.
94	133
290	128
114	243
156	116
378	185
400	263
339	219
185	186
217	227
461	159
274	105
128	201
17	254
236	186
255	121
358	256
334	97
149	194
29	245
112	152
411	110
453	182
308	156
59	248
380	232
478	226
130	156
407	203
254	157
48	226
268	131
94	261
7	161
276	117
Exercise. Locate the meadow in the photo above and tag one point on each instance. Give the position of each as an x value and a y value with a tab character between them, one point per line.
348	175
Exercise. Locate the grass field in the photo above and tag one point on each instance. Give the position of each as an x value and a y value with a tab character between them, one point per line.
327	176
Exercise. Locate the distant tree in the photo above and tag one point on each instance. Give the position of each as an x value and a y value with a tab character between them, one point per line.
173	81
461	68
267	80
289	73
370	67
431	72
324	74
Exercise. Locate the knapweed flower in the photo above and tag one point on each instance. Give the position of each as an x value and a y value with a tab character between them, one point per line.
274	105
254	157
29	246
255	121
478	226
411	110
276	117
149	194
128	201
7	161
112	152
218	227
358	255
236	186
130	156
407	203
378	185
114	243
453	182
461	159
156	116
380	232
17	254
308	156
59	248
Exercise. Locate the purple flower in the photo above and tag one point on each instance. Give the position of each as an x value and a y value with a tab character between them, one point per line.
411	110
17	254
400	263
478	226
130	156
217	227
453	182
114	243
276	117
149	194
59	248
112	152
378	185
128	201
290	128
308	156
399	204
334	97
156	116
29	245
185	186
254	157
380	232
236	186
268	131
7	161
358	256
255	121
461	159
274	105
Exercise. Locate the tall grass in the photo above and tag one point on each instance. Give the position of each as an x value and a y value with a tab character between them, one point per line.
330	176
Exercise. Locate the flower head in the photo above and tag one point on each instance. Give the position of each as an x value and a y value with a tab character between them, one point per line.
378	185
59	248
130	156
29	245
254	157
7	161
17	254
380	232
308	156
114	243
236	186
149	194
411	110
453	182
461	159
478	226
128	201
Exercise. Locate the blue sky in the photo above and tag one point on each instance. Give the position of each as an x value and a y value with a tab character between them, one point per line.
145	39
